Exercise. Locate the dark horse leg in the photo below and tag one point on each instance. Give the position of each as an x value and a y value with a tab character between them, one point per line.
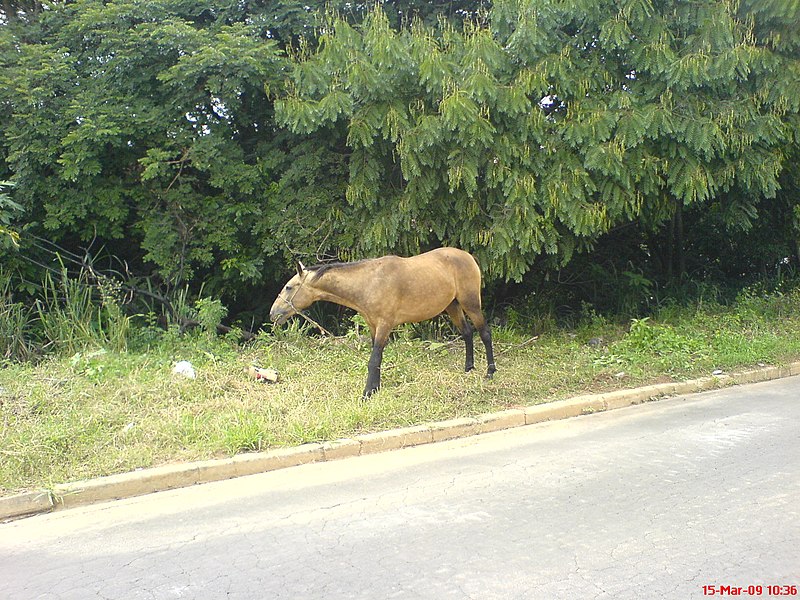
486	338
466	330
379	340
472	308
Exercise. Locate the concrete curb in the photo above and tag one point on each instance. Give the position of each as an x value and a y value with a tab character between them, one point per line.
168	477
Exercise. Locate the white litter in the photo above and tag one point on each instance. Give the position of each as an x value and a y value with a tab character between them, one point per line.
186	369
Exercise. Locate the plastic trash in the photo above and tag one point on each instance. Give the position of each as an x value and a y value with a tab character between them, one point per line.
185	368
263	375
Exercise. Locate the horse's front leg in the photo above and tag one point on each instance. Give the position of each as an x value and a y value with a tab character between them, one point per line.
379	340
374	370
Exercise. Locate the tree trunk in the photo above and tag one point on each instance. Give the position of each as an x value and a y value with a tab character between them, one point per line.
669	260
680	256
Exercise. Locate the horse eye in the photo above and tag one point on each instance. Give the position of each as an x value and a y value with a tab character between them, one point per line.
288	288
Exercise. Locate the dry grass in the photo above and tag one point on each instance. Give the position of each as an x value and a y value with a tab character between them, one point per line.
105	412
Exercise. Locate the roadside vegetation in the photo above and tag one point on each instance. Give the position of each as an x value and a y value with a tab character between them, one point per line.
94	393
626	173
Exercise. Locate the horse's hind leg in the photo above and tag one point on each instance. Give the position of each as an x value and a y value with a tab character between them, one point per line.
486	338
457	315
473	310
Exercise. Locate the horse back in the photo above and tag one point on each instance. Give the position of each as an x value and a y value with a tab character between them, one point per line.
459	265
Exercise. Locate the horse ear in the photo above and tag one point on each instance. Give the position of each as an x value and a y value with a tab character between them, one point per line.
300	268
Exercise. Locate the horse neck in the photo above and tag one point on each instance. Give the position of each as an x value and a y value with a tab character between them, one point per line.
345	286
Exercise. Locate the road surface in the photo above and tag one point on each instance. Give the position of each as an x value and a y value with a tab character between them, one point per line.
676	499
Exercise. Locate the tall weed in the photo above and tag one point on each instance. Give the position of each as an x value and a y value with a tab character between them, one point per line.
210	313
72	318
67	314
15	319
114	322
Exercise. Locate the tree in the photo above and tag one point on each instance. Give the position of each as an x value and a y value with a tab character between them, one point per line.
8	208
146	126
149	129
209	142
18	9
551	123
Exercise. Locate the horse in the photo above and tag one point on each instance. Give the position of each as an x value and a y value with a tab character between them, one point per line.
392	290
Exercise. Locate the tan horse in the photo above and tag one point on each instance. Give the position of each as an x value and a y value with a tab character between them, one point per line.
389	291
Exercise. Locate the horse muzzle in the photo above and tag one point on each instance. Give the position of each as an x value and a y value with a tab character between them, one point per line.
279	317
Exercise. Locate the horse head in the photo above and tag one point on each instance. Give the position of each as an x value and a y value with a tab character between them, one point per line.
295	296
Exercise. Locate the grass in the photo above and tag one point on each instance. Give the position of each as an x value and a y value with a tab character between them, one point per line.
98	411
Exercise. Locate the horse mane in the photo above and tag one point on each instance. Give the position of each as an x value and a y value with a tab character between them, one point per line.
323	268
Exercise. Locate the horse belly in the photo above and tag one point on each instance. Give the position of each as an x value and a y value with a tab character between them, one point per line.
424	300
415	316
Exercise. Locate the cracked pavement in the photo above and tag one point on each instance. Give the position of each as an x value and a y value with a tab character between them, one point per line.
656	501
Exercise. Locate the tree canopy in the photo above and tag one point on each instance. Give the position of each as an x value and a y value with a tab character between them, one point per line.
549	123
210	142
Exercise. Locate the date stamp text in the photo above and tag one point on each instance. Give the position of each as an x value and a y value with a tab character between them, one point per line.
750	590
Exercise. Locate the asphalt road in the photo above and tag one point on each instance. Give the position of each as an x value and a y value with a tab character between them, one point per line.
675	499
